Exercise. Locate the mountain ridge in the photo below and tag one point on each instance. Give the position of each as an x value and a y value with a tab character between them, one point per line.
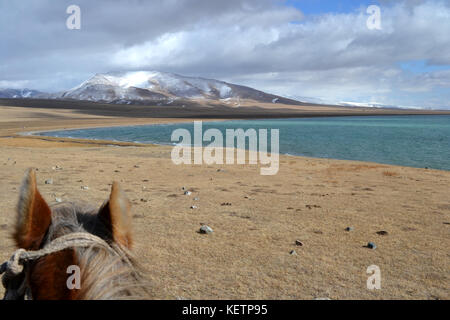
164	88
19	93
149	87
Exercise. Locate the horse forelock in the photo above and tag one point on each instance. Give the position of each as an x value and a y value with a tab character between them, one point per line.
105	274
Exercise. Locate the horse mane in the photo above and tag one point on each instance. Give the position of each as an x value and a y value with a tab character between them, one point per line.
105	274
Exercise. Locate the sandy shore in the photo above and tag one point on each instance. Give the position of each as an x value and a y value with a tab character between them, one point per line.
256	219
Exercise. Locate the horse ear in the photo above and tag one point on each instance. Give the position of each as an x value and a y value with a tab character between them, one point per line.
116	215
33	214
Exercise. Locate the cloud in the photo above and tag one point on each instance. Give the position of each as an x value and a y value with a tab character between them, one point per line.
262	43
13	84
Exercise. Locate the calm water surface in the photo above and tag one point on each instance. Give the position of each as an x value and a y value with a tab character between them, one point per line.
416	141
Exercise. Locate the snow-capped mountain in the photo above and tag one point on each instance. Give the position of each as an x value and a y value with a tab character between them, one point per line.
153	86
19	93
376	105
313	100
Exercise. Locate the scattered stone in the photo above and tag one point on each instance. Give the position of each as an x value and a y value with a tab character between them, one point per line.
194	207
382	233
310	206
116	171
293	253
183	188
205	230
196	198
371	245
187	193
226	204
298	243
56	168
49	181
84	188
137	166
349	229
220	170
144	200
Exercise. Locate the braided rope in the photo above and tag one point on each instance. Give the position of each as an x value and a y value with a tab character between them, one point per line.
13	278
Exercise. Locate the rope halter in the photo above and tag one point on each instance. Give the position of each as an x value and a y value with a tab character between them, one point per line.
14	270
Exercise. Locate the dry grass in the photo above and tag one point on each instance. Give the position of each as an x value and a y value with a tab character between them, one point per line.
338	166
247	256
390	174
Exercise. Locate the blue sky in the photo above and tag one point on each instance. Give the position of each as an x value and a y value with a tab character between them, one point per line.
425	68
328	6
421	66
314	8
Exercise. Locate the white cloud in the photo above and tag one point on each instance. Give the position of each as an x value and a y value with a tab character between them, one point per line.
14	84
261	43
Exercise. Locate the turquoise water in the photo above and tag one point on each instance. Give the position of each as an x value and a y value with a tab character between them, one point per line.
416	141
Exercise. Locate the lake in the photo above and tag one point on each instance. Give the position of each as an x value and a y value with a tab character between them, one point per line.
416	141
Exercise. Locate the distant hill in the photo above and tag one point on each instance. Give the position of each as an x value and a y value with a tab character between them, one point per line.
20	93
145	87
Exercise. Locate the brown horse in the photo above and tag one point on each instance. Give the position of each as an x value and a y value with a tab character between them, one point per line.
106	266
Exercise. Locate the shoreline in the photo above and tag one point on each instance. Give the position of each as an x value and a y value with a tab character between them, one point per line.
107	142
